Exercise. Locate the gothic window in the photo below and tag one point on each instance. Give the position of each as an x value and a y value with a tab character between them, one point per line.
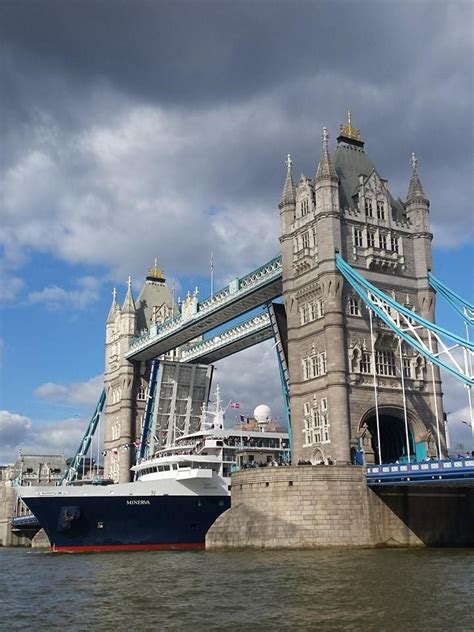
380	209
319	308
304	314
407	372
311	311
370	239
304	207
354	309
116	430
395	245
316	423
143	392
383	242
314	366
305	240
358	237
365	363
306	368
115	466
368	207
385	363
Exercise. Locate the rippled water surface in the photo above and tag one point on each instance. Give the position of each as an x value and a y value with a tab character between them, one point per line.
371	590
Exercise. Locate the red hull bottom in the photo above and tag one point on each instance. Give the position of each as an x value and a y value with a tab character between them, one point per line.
127	547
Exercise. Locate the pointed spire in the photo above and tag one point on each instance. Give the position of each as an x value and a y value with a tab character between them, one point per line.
288	195
113	307
415	190
129	303
326	170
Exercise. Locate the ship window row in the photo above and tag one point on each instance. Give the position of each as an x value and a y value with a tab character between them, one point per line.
313	310
314	366
367	238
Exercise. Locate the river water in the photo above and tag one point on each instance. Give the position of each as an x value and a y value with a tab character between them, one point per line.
381	590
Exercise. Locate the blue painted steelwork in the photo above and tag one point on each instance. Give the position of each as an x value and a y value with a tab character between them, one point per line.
463	307
366	291
283	369
71	473
460	470
148	415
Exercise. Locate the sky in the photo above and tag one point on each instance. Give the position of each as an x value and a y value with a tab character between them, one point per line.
139	129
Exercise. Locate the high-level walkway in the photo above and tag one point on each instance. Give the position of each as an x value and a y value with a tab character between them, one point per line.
242	336
238	297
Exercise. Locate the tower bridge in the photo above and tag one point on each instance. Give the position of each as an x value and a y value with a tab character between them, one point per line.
360	355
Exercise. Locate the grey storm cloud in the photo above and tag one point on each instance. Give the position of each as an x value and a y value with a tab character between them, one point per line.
240	84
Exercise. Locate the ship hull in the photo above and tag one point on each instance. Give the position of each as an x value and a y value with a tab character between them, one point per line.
121	523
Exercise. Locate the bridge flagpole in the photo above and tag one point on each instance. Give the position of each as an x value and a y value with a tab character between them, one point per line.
212	273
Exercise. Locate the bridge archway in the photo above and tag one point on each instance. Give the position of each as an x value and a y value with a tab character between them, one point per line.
392	433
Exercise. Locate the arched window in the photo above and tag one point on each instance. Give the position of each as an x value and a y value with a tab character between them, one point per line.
354	309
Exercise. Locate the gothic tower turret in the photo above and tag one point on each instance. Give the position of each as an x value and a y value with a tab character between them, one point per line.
126	382
348	208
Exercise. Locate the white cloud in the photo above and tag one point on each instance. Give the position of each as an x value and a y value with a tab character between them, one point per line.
251	378
18	432
55	297
13	428
81	393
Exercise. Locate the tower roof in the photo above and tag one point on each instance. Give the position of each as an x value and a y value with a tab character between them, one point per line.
129	303
288	195
415	189
351	162
326	170
113	307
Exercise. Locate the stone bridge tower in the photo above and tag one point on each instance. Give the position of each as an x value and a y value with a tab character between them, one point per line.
347	208
126	382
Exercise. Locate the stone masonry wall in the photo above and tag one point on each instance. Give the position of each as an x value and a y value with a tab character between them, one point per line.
331	506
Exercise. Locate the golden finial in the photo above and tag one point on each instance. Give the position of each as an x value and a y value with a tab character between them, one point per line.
348	130
155	273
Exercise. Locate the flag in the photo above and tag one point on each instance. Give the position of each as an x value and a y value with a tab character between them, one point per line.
212	262
244	419
235	405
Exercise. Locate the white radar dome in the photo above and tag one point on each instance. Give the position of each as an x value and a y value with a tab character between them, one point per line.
263	413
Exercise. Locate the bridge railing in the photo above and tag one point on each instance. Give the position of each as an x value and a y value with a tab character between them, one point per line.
427	471
246	328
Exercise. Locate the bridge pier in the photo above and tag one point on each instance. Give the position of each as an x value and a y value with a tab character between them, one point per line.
304	507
